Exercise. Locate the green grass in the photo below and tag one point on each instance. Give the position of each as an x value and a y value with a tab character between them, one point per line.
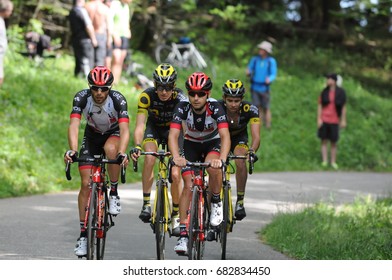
36	104
358	231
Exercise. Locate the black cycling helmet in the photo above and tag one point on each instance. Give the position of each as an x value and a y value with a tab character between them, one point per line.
165	74
100	76
198	81
233	88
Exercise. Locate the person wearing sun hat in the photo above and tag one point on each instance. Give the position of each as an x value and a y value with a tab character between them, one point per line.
331	115
262	70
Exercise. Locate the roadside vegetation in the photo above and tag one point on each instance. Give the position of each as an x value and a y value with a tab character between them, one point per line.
358	231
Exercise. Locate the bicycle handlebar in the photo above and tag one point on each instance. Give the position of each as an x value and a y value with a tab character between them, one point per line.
97	160
159	154
251	159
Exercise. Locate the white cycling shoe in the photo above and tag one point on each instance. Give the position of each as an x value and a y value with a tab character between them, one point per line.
216	214
81	247
181	247
114	205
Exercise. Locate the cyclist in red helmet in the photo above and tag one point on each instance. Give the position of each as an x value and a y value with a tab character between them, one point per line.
206	139
107	131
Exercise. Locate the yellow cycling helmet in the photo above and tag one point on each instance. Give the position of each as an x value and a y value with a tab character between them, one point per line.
233	88
165	74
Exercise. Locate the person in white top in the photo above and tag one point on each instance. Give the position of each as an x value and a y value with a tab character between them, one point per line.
6	8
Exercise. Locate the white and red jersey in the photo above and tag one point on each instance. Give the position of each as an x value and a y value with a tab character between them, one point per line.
104	117
200	128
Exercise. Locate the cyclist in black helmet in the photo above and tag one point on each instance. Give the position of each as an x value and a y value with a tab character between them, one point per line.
239	114
107	130
156	105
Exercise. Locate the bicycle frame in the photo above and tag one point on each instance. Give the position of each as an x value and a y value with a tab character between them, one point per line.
199	211
160	218
97	219
226	196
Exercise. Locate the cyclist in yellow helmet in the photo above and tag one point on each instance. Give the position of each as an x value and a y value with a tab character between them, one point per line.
154	114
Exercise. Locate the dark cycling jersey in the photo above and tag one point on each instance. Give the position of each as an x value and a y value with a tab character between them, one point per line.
160	113
248	114
102	118
200	128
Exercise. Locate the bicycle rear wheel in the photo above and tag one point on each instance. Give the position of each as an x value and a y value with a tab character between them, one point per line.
159	223
225	222
163	53
92	221
194	228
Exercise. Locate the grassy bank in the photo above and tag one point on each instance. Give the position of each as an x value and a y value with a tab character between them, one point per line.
358	231
36	103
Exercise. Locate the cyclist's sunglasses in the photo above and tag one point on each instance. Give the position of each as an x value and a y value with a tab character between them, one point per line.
198	93
167	87
99	88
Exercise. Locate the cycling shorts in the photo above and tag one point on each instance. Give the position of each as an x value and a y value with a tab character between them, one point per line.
93	143
197	152
239	140
159	135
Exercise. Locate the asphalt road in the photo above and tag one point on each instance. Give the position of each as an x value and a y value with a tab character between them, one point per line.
45	227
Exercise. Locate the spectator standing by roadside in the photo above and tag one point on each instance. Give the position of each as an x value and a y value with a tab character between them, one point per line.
121	35
83	38
109	47
6	8
331	115
100	17
262	70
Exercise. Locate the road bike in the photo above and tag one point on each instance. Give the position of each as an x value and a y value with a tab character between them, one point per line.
184	55
228	213
97	220
161	212
199	211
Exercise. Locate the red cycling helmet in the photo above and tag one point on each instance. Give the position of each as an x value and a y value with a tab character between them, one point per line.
100	76
198	81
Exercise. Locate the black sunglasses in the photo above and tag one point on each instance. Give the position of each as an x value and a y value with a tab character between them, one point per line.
99	88
198	93
167	87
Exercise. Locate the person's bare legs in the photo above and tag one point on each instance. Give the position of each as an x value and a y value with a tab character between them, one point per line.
324	150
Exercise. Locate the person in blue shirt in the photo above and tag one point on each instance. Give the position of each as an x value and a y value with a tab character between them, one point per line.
262	70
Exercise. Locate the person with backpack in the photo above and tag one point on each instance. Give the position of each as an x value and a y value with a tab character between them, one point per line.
262	70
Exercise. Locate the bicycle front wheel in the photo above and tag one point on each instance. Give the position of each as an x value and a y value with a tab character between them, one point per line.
194	227
225	222
92	222
163	53
160	222
101	234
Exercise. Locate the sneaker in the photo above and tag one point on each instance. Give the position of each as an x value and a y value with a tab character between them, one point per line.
175	221
114	205
335	165
239	211
216	214
181	247
81	247
145	214
324	164
211	236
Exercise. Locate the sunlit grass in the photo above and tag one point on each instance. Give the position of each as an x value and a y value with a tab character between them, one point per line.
358	231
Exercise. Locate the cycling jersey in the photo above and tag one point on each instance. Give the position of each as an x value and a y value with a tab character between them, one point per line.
200	128
160	113
248	113
103	118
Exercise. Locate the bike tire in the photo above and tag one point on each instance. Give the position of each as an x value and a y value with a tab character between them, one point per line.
163	53
92	221
225	222
101	242
159	222
193	227
206	66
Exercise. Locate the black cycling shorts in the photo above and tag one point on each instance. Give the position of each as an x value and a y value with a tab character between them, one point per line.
93	143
